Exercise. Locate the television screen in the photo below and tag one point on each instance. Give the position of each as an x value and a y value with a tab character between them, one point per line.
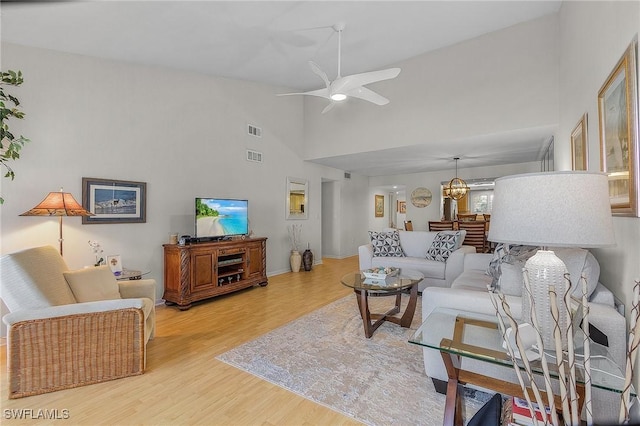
221	217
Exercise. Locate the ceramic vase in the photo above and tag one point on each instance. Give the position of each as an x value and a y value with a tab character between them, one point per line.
295	260
307	260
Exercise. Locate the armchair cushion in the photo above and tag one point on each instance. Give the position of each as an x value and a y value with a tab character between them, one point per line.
93	284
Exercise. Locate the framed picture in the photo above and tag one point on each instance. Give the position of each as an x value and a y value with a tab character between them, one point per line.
579	154
114	201
115	263
402	207
618	123
379	205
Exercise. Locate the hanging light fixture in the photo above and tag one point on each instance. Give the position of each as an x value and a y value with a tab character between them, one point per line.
457	188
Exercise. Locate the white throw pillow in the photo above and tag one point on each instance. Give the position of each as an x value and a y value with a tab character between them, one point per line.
511	279
93	284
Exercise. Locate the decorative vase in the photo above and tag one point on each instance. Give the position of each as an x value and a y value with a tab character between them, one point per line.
295	260
307	259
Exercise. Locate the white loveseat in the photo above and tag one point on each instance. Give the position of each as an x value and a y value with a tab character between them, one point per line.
414	246
469	293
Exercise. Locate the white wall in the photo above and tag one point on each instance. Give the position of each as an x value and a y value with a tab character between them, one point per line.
593	37
182	133
431	180
499	83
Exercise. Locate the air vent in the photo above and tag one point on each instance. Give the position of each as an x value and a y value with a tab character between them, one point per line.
254	130
347	175
254	156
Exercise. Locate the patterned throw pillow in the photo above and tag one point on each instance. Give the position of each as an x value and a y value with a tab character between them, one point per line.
514	254
443	245
386	244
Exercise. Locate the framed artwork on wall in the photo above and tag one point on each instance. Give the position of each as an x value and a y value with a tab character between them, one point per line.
114	201
379	205
618	125
402	207
579	146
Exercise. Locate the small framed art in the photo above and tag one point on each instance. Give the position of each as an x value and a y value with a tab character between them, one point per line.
114	201
379	205
579	158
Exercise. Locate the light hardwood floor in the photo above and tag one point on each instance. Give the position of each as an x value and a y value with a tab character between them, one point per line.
184	384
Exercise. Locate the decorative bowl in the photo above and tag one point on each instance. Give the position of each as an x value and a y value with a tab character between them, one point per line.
380	273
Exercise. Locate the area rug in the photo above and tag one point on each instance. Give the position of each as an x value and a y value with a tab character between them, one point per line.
324	357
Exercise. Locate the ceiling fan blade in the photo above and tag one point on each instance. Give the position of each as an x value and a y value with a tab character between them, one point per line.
323	75
368	95
323	93
328	107
362	79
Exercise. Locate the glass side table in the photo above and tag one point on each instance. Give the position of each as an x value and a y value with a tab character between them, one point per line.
460	334
131	274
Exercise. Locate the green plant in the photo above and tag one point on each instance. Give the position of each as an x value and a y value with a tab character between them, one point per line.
10	145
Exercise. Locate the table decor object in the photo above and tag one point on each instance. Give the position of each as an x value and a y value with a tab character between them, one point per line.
380	273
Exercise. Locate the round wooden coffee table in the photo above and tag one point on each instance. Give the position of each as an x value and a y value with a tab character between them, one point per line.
391	286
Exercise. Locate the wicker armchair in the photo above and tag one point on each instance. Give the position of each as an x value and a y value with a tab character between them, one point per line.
71	328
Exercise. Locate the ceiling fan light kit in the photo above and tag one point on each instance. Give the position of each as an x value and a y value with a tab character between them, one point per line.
349	86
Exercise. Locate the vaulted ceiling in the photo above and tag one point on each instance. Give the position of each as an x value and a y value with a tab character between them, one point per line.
266	41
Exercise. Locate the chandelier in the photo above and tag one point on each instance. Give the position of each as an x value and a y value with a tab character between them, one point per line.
457	188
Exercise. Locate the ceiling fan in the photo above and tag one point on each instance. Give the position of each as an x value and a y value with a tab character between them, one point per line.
351	85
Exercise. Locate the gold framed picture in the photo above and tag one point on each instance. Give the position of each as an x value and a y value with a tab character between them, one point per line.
618	123
402	207
379	205
579	144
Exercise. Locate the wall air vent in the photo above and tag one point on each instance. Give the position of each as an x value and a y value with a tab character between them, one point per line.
254	156
347	175
254	130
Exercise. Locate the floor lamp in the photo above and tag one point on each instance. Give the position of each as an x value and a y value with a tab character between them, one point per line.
551	209
58	204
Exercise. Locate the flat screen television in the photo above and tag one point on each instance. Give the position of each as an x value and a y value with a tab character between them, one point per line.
217	218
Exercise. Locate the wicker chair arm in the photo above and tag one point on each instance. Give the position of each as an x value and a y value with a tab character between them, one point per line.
72	309
62	352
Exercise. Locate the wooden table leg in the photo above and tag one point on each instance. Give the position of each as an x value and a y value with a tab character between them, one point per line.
363	306
410	310
453	404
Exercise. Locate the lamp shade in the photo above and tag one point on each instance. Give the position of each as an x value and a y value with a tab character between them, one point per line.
58	204
552	209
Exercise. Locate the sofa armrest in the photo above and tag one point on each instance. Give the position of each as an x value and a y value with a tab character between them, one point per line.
477	261
464	300
614	326
132	289
365	255
455	264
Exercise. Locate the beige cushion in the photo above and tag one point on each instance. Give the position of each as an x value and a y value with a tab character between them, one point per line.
93	284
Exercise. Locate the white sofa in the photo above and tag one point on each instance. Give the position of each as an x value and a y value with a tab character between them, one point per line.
469	293
415	245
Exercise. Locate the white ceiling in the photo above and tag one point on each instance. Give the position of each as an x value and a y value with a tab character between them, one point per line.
272	41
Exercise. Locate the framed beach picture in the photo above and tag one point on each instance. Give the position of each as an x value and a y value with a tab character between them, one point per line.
402	207
618	125
379	205
579	158
114	201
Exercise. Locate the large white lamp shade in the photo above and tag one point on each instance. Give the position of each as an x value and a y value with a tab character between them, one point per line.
551	209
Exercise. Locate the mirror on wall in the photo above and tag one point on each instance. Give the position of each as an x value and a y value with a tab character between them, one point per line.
297	197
